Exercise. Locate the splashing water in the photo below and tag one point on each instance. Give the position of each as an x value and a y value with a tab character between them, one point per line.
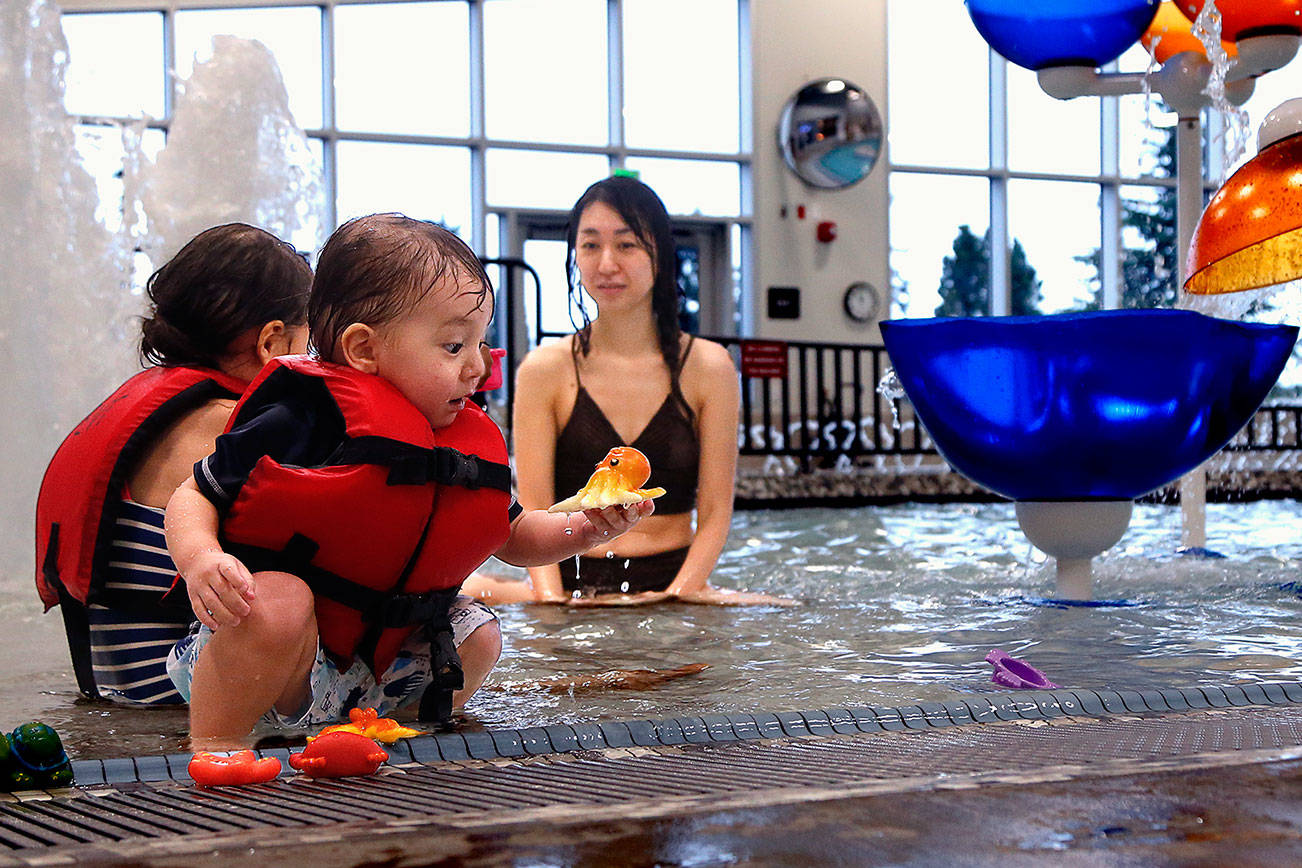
1207	29
65	306
217	138
890	388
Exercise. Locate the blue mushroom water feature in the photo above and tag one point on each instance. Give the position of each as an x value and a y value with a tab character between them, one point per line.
1046	33
1073	416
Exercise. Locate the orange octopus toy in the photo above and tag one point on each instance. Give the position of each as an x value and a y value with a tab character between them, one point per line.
615	482
367	722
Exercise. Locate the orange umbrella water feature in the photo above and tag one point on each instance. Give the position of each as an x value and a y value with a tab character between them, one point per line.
1244	18
1250	234
1171	33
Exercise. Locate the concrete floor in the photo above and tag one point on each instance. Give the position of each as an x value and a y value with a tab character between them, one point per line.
1244	815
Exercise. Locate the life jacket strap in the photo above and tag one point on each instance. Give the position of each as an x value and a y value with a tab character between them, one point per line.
446	674
377	607
413	465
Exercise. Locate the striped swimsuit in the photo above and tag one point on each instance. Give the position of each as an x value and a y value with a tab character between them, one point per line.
129	652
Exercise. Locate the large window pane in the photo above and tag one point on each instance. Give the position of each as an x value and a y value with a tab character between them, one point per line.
423	181
1050	135
540	179
937	119
292	34
545	71
403	68
692	186
115	64
548	257
1057	225
928	216
674	104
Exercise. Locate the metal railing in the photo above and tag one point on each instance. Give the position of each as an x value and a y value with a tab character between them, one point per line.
814	402
818	403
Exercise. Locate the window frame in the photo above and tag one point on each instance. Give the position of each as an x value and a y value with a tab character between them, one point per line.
616	150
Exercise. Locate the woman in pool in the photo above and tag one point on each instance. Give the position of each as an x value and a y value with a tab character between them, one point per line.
629	377
232	298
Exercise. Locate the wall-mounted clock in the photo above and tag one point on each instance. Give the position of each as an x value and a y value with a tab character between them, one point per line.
861	302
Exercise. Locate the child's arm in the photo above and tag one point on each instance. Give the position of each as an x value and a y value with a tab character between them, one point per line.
539	537
219	586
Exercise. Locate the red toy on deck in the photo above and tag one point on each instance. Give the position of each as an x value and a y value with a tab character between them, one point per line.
339	754
241	767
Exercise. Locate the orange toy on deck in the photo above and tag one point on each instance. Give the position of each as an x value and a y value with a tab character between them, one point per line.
339	754
615	482
241	767
367	722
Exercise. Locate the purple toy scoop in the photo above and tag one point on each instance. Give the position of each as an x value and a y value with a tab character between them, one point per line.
1011	672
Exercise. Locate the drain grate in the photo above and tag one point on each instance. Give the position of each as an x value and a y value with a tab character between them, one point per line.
483	792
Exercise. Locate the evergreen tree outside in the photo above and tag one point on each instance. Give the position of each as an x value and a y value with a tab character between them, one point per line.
1026	296
965	278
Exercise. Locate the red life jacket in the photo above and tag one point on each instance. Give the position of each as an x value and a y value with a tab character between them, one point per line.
73	526
389	528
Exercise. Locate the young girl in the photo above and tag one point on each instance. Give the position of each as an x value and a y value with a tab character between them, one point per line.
353	494
232	298
629	377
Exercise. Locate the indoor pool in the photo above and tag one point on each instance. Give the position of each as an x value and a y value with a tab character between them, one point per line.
897	603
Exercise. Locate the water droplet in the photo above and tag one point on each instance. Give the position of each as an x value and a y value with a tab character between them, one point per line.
626	561
569	531
577	594
623	587
609	555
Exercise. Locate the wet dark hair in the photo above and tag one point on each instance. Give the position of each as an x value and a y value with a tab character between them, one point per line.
639	207
223	282
376	268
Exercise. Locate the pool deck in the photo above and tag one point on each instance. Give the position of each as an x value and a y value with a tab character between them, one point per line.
1106	777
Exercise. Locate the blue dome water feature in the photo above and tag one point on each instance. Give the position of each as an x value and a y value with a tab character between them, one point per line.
1083	413
1045	33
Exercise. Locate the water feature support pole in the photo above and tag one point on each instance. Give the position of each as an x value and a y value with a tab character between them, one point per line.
1073	533
1189	208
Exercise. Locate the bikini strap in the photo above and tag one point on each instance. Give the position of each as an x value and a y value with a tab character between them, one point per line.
691	339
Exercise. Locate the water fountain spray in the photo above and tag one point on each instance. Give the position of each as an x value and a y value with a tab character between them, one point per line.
67	306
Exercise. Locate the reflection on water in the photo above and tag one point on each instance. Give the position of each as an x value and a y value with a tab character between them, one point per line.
899	603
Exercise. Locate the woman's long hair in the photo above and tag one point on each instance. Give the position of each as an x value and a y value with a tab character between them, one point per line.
640	208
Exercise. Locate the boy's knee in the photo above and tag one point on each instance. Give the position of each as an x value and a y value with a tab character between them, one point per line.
284	605
484	644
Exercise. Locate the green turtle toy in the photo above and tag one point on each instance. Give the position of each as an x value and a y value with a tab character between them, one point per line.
32	758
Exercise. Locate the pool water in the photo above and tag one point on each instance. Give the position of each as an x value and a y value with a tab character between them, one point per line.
898	603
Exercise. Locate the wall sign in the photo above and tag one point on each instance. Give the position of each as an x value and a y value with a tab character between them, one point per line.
763	359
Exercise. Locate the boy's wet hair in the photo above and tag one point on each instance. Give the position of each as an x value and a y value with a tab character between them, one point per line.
376	268
222	283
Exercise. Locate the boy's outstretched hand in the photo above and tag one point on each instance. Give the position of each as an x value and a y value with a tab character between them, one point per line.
600	526
220	589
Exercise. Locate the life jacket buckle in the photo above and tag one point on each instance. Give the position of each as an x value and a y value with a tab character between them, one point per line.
403	610
454	468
